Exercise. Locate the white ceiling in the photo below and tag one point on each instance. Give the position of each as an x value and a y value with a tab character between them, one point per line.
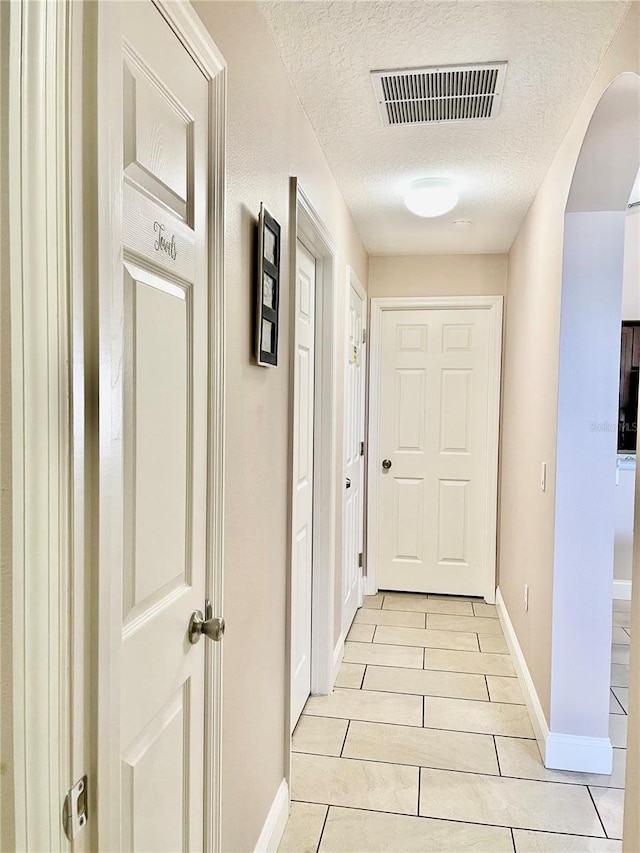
553	48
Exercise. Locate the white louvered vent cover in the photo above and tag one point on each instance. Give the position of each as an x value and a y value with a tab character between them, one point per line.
426	95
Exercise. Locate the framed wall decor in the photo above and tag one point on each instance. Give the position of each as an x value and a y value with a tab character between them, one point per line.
268	288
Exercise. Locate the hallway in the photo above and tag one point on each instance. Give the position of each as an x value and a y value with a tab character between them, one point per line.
426	744
303	299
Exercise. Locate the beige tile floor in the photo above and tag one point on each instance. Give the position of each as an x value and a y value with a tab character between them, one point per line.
426	744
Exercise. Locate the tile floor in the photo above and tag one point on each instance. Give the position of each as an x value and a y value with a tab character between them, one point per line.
426	744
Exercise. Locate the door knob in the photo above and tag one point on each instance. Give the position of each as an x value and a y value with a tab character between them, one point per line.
348	483
209	625
386	464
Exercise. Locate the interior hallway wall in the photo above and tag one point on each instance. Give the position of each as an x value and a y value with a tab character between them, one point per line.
268	139
530	381
437	275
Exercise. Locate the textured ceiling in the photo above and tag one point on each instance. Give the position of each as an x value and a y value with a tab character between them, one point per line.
553	48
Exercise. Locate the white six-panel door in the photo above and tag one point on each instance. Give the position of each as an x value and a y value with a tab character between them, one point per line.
433	450
353	516
157	348
303	437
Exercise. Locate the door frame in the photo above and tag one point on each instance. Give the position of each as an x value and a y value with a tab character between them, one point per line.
492	304
40	446
354	282
192	33
308	227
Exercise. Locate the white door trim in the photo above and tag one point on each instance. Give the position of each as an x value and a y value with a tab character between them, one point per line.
189	28
41	459
354	282
308	227
492	304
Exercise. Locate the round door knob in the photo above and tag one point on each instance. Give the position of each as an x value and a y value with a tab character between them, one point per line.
386	464
348	483
211	626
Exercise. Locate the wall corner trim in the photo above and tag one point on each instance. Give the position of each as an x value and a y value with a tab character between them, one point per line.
276	821
581	754
338	654
622	590
560	751
538	719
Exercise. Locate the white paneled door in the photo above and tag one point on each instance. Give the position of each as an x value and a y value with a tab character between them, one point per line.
303	438
435	512
353	514
158	341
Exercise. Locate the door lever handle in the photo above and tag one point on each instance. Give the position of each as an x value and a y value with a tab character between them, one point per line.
209	625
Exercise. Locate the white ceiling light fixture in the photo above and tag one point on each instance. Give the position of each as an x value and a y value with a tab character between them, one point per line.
430	197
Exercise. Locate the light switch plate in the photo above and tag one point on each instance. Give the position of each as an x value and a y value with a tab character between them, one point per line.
543	477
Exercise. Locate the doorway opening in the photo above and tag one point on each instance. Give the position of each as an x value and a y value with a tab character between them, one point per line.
160	436
433	439
311	598
588	405
355	393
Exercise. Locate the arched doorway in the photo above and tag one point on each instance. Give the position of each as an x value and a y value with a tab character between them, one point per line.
594	227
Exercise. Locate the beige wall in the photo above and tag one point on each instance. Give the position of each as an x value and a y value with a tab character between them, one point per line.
268	140
531	383
437	275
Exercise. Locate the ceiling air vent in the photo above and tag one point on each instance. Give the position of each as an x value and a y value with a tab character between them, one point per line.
445	93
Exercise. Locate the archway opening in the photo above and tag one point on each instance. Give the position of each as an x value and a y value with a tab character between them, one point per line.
591	313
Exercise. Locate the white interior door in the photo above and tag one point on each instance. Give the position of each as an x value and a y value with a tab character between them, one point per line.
303	435
353	514
433	469
155	444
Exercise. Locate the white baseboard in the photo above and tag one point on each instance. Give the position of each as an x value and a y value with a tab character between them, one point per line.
276	821
538	719
560	751
338	654
583	754
622	590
